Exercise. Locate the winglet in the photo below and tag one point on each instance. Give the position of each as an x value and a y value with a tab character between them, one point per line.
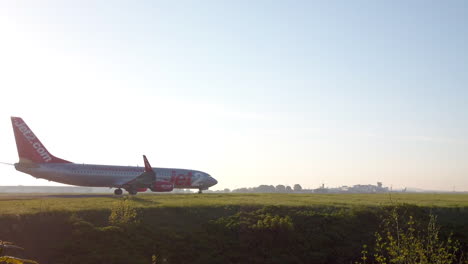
147	165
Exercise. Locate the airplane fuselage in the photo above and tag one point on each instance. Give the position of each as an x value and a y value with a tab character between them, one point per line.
113	176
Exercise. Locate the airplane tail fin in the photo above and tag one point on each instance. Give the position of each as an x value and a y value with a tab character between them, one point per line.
30	148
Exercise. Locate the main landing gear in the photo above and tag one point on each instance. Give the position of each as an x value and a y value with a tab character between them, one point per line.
200	191
120	192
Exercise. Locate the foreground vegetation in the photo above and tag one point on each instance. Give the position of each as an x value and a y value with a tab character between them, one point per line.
4	258
402	239
217	228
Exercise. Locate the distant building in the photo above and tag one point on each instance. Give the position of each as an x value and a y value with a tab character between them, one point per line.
321	189
359	188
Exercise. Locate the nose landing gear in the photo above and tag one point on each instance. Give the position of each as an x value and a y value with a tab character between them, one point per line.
118	191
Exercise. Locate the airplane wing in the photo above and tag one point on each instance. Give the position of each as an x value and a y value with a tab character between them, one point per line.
145	179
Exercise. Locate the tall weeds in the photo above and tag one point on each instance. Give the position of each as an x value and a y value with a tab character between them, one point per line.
402	240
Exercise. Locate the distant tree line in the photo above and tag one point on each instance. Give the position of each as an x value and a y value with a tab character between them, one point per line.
297	188
269	189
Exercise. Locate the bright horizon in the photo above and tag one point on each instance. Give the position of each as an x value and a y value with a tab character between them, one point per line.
251	92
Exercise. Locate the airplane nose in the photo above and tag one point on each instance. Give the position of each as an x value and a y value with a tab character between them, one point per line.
213	181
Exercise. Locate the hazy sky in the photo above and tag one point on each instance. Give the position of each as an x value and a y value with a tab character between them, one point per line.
252	92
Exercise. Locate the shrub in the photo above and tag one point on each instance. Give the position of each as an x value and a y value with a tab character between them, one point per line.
276	222
403	240
123	213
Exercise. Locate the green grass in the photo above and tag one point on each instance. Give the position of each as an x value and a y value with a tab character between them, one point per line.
35	203
226	228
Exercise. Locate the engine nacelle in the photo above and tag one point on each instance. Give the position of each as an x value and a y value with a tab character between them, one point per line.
163	186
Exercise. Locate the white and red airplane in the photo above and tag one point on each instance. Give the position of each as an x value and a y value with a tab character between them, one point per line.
34	159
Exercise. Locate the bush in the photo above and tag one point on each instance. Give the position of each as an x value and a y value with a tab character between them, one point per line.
403	240
123	213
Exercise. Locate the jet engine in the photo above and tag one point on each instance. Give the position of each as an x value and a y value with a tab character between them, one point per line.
162	186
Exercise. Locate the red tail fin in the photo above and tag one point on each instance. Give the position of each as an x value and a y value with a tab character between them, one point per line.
30	149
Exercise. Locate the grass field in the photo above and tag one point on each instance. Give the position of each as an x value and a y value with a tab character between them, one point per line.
34	203
215	228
